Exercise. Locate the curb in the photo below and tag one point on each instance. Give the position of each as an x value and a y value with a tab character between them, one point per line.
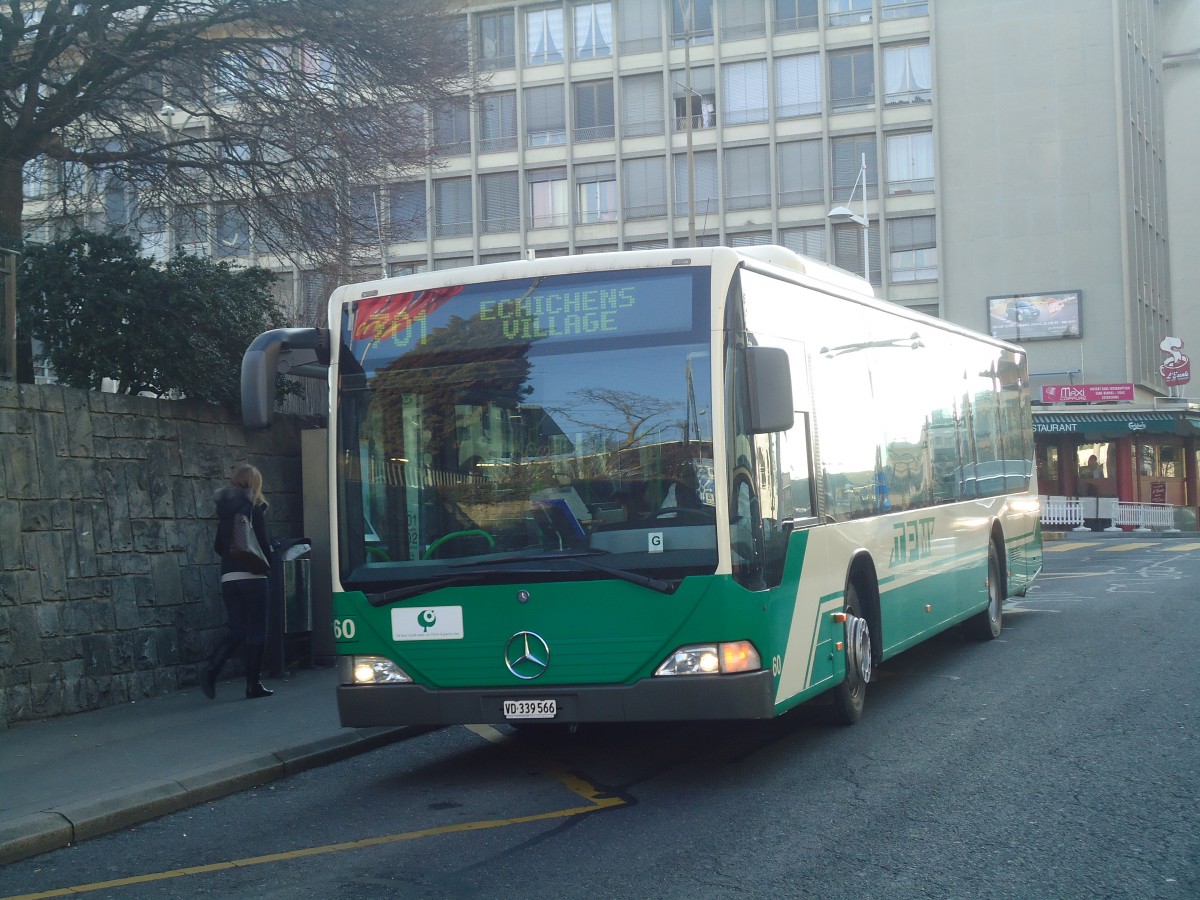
53	829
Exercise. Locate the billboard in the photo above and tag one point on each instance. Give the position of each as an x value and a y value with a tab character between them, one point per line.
1034	317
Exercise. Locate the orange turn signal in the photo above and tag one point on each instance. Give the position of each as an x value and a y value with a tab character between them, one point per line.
839	617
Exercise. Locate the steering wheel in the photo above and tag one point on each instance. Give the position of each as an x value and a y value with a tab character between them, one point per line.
686	515
455	535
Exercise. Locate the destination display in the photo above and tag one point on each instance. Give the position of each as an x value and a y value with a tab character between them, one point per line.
555	308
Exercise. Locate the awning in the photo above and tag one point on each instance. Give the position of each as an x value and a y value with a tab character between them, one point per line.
1113	424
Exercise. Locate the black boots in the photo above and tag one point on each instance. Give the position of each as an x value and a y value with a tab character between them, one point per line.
208	678
254	658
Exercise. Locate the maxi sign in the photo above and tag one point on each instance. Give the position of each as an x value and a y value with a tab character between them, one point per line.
1086	393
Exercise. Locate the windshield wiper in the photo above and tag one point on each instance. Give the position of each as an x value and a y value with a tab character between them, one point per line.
577	556
415	590
655	584
528	556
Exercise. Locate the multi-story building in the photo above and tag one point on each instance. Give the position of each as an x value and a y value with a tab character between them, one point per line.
1012	160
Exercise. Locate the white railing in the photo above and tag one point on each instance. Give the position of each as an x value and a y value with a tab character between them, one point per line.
1143	517
1062	511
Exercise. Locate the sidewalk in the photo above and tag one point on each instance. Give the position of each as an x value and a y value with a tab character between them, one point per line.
74	777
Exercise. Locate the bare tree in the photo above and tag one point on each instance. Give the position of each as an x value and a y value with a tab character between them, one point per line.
271	121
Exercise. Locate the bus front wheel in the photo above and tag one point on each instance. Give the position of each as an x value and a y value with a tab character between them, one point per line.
851	694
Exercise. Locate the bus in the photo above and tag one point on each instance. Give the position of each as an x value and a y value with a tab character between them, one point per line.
681	484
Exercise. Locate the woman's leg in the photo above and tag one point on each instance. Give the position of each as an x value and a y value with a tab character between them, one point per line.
256	636
235	616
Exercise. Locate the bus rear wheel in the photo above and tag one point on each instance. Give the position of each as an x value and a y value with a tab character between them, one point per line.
986	625
851	694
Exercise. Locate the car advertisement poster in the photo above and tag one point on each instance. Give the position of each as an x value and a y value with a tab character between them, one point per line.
1034	317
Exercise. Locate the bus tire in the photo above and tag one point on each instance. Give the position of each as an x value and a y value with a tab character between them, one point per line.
850	696
986	625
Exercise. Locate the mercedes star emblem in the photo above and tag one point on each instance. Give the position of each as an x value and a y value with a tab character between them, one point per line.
527	655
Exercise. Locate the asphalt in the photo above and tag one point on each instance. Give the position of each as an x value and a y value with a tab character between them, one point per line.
74	777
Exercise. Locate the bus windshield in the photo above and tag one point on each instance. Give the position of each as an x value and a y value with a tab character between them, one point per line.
526	420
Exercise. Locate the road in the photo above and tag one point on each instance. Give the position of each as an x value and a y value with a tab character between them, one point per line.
1057	761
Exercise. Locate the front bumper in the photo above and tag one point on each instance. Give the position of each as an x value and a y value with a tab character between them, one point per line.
678	698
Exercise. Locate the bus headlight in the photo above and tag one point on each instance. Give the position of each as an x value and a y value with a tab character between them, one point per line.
712	659
372	670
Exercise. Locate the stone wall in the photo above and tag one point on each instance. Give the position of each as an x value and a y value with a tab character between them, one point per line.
109	588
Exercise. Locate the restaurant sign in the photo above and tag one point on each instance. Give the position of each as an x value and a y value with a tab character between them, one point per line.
1178	368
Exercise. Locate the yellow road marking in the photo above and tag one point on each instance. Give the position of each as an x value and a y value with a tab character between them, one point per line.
596	801
1176	547
1072	545
1121	548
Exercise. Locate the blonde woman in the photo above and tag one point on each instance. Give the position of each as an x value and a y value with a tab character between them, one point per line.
244	592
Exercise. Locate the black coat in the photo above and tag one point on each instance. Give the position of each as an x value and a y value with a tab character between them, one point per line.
230	501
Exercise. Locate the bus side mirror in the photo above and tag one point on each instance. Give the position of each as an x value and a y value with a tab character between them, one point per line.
260	363
769	376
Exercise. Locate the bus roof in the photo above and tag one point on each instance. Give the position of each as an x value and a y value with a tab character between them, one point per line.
781	257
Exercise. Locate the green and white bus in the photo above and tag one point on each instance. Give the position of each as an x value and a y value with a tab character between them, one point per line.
654	485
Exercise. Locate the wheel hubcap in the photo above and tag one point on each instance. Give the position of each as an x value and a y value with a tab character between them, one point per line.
858	648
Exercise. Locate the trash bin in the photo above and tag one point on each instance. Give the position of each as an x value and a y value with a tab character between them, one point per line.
289	633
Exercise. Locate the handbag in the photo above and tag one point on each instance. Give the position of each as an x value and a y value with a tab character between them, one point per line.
243	546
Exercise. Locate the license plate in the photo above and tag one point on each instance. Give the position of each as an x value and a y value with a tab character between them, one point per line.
530	709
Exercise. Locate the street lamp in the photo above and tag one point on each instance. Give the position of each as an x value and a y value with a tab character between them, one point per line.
691	161
843	214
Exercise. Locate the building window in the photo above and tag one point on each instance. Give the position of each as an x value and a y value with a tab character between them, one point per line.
498	122
500	203
848	250
365	214
703	179
745	92
548	198
795	15
742	19
231	232
747	178
452	207
903	9
798	86
407	211
910	163
847	155
800	173
699	103
495	36
848	12
593	30
451	262
152	227
407	268
750	239
594	111
645	188
543	36
596	192
808	241
1160	460
190	224
640	27
452	129
545	118
642	104
691	19
913	249
907	75
852	79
